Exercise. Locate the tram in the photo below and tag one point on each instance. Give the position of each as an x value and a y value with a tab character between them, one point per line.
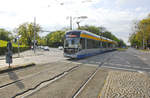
80	44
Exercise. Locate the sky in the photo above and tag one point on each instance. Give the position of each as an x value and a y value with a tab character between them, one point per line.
116	15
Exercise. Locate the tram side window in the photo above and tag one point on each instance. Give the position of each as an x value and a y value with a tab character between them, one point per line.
100	46
96	44
109	45
104	44
92	44
89	43
82	43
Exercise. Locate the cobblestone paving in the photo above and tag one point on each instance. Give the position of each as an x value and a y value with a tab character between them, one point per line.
126	85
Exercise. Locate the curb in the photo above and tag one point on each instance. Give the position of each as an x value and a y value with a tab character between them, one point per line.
15	67
15	57
5	58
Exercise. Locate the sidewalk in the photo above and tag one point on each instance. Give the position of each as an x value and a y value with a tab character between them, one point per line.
123	84
24	54
28	57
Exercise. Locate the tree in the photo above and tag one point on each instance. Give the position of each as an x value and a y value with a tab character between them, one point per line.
141	34
41	41
5	35
26	30
121	43
102	32
92	29
55	38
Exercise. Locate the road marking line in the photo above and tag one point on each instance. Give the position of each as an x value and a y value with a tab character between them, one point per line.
136	67
141	57
121	68
119	64
141	72
145	68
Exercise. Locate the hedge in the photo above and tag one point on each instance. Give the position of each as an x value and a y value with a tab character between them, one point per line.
3	50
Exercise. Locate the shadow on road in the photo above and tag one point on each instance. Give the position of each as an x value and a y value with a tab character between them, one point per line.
13	76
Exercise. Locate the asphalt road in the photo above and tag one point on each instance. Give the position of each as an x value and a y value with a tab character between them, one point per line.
85	78
126	60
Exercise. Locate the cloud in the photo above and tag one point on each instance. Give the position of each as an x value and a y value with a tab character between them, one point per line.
122	2
51	14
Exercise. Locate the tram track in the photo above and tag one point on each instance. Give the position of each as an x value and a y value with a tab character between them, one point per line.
28	76
90	78
60	72
41	85
27	92
53	79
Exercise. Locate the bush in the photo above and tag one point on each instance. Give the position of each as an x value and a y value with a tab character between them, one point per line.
3	50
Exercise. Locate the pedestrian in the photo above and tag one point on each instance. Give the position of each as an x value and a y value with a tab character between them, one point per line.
9	53
9	46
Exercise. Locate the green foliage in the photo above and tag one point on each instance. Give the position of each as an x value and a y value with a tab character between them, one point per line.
42	41
55	39
26	31
141	31
5	35
92	29
109	35
4	44
3	47
3	50
122	49
121	43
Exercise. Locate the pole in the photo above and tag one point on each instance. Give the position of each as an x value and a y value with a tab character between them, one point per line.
143	37
34	32
70	22
78	23
143	41
18	49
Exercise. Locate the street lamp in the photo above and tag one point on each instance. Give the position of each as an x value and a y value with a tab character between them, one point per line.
78	20
34	33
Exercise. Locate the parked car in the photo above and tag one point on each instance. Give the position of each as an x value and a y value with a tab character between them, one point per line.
32	47
46	48
41	47
60	47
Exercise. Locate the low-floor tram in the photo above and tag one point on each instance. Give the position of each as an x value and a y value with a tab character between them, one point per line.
80	44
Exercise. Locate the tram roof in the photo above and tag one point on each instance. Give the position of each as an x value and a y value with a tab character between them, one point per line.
90	34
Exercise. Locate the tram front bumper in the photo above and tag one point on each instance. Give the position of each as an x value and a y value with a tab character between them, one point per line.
70	55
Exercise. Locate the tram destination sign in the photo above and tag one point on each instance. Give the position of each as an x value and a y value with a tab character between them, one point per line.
71	36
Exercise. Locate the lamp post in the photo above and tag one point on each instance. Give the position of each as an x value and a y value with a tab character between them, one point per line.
78	20
34	33
18	37
70	22
101	34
